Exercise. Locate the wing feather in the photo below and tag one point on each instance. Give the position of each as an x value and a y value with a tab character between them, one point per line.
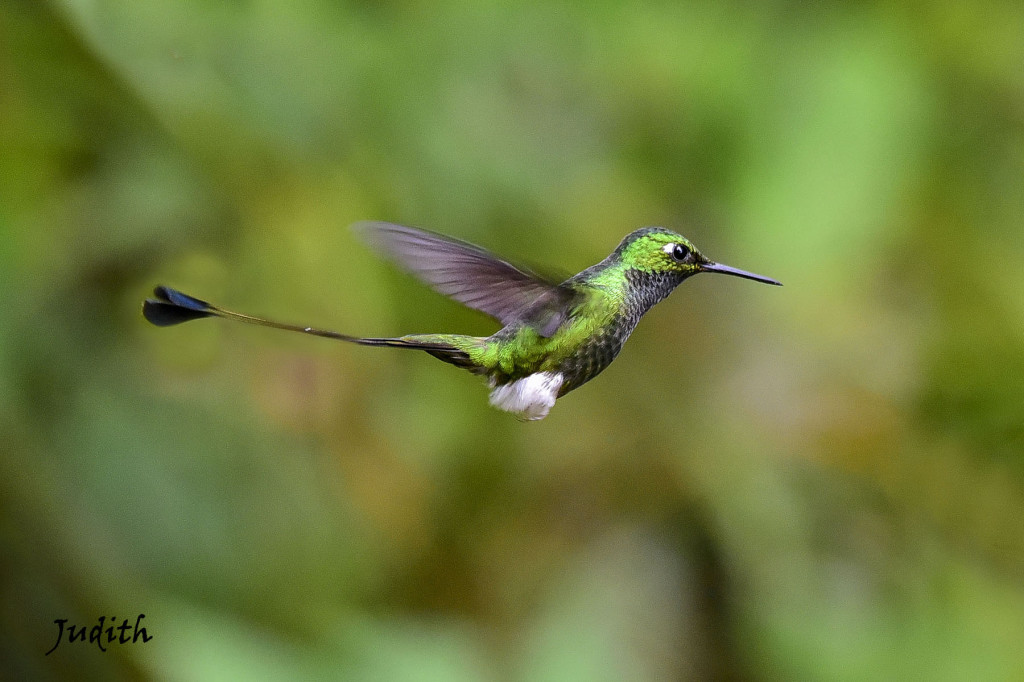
473	276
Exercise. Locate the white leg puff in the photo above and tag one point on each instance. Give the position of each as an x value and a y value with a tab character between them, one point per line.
529	398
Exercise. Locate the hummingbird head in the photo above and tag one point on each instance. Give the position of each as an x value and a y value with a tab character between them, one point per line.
667	254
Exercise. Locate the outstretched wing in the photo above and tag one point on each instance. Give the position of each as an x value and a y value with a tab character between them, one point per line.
473	276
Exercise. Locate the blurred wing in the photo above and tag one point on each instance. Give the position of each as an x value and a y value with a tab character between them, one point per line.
473	276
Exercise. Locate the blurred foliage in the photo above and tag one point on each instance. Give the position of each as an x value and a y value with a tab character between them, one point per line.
821	482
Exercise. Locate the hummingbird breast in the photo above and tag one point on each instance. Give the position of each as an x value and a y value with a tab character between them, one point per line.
583	346
594	354
639	292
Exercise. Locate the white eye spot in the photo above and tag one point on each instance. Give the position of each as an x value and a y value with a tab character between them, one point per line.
669	248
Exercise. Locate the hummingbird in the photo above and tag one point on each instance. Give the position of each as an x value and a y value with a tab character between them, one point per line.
556	336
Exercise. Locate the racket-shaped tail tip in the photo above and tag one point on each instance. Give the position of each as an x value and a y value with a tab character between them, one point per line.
173	307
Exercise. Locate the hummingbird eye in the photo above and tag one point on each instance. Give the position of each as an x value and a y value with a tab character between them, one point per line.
679	252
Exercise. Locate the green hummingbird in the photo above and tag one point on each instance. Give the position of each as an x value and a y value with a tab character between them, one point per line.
556	336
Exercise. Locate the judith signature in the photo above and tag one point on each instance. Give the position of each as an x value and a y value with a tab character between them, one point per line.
96	634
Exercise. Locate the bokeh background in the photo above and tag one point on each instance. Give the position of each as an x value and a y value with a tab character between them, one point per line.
818	482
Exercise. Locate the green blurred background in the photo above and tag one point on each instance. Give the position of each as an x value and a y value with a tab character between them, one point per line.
819	482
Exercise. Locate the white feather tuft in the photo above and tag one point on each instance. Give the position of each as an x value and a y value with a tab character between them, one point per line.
529	398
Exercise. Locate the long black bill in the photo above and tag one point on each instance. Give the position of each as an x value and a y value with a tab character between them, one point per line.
726	270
